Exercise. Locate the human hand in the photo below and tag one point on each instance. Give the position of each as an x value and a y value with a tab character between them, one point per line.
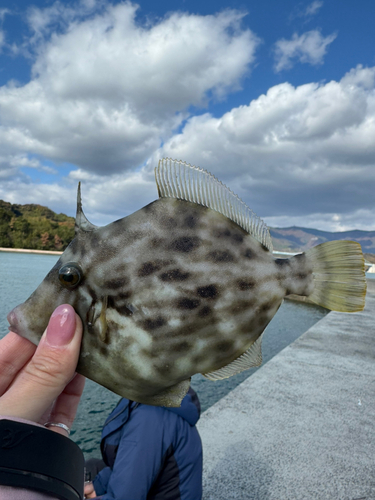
89	490
39	383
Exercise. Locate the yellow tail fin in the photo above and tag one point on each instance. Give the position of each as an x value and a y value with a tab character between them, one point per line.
339	276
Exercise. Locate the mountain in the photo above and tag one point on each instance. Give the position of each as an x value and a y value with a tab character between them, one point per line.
296	239
34	227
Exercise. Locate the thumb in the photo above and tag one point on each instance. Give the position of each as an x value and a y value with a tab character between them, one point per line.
50	369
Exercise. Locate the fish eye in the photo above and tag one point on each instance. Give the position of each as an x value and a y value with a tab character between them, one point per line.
70	275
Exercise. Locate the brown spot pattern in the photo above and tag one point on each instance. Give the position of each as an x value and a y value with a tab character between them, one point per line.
208	292
152	324
116	283
190	221
237	238
174	275
224	346
181	347
205	311
186	303
249	254
185	244
221	256
245	285
222	233
282	262
148	268
156	242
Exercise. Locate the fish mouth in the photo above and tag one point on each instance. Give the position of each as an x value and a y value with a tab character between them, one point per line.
13	322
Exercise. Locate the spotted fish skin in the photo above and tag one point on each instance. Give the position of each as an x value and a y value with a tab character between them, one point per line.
185	285
186	289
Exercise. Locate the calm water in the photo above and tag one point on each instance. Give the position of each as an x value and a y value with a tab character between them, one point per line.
21	274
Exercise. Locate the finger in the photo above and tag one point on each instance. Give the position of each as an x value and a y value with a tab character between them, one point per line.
15	352
65	407
89	488
49	370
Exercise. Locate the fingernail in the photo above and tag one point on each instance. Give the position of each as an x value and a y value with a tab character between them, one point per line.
61	326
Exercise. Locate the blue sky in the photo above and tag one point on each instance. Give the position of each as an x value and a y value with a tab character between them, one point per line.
277	99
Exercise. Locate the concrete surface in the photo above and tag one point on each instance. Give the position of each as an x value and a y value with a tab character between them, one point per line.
303	426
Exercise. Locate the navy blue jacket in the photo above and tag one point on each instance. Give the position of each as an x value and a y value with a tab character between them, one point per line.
152	452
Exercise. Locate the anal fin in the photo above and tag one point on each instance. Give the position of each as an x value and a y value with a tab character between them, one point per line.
172	396
249	359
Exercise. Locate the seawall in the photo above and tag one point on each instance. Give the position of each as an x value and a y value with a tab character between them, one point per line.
302	426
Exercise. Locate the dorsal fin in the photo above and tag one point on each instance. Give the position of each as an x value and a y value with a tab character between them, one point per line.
82	223
249	359
180	180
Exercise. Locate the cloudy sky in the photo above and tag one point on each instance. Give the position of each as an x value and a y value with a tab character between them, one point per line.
275	98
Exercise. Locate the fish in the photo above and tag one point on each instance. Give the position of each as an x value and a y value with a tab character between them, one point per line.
185	285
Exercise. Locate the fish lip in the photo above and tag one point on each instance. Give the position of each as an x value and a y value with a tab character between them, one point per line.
13	322
13	329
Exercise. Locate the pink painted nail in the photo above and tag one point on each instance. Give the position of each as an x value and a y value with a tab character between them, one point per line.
61	326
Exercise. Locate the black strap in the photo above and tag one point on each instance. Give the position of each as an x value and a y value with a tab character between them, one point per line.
38	459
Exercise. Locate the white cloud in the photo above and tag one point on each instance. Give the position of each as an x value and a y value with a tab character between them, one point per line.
105	90
20	189
362	219
105	198
110	197
26	162
306	13
3	13
296	155
3	43
44	22
313	8
360	77
310	47
294	151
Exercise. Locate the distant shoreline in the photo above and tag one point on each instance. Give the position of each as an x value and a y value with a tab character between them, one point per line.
26	250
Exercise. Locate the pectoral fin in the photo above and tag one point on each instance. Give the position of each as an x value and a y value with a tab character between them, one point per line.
97	320
102	322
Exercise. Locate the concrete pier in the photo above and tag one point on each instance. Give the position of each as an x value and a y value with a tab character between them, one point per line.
303	426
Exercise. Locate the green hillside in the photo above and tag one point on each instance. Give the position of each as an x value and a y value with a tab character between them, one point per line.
34	227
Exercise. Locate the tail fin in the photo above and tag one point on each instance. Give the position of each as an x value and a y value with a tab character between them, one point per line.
339	276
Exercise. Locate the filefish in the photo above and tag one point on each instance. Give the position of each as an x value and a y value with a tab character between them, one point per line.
185	285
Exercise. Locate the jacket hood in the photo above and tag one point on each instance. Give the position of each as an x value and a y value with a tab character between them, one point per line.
190	408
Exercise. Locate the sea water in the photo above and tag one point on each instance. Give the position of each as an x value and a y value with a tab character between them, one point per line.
21	273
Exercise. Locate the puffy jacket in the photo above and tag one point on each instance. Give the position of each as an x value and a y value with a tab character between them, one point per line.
151	452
